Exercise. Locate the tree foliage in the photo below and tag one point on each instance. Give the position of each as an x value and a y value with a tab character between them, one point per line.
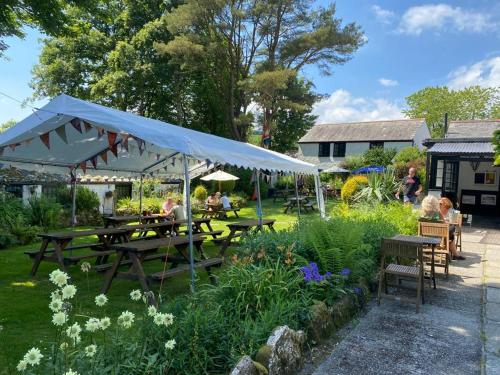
471	103
6	125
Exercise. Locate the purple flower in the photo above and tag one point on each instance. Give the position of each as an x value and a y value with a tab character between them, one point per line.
311	273
357	290
345	272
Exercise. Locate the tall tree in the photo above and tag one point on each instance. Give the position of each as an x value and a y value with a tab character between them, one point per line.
47	15
257	48
471	103
6	125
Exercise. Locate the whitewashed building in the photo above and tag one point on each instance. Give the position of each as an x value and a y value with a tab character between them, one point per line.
460	166
327	144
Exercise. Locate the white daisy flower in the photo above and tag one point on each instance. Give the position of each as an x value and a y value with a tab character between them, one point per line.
85	267
68	291
21	366
135	295
170	344
90	350
59	318
59	278
126	319
152	311
63	346
56	305
101	300
158	319
33	357
104	323
71	372
92	325
56	295
168	319
74	331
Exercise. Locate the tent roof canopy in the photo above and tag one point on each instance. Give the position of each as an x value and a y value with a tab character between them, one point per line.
69	132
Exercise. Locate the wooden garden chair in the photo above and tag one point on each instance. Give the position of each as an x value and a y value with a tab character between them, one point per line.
401	250
458	231
442	255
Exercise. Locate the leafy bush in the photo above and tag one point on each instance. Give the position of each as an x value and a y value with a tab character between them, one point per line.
22	232
225	186
43	212
352	185
13	222
352	162
239	200
128	206
6	240
379	156
86	203
381	187
285	182
409	154
200	193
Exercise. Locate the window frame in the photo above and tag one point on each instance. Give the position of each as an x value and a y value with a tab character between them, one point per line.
339	149
322	147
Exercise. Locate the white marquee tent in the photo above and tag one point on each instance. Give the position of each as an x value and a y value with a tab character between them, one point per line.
72	135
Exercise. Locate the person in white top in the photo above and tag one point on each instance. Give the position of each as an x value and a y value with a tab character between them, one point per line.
179	211
226	204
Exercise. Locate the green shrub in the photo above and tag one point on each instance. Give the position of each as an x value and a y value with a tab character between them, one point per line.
379	156
352	162
352	185
43	212
239	200
381	187
200	193
225	186
128	206
285	182
409	154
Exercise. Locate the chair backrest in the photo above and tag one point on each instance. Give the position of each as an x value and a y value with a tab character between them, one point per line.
460	219
401	249
428	229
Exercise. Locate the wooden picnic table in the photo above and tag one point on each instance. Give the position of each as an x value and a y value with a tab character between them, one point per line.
60	241
134	254
303	201
240	228
116	221
218	211
282	193
426	241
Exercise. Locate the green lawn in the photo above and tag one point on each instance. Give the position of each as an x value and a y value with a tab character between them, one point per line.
25	318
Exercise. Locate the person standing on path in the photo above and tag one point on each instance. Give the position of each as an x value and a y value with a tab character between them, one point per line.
411	187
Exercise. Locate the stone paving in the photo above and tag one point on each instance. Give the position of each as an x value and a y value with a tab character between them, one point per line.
456	332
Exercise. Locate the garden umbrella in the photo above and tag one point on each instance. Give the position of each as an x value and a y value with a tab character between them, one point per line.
370	169
220	176
334	169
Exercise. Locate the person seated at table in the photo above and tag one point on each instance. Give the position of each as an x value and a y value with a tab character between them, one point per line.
168	208
179	210
212	201
226	203
435	210
447	213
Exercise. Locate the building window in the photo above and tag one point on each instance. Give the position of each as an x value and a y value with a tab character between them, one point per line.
439	174
15	190
324	149
339	149
377	144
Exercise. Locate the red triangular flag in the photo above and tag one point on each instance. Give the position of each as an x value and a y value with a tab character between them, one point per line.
76	124
94	162
104	157
45	139
111	138
125	141
61	132
114	149
88	127
13	146
83	165
100	132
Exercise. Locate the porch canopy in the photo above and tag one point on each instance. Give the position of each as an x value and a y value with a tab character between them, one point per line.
69	133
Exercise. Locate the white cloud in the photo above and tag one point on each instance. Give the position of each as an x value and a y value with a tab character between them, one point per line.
382	15
443	16
388	82
484	73
342	106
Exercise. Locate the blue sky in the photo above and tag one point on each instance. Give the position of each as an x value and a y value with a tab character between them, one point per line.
411	45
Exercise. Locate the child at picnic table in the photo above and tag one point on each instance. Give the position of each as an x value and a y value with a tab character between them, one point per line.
439	211
168	208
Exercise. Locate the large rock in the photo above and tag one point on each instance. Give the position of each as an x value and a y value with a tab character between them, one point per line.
245	367
342	311
286	351
321	324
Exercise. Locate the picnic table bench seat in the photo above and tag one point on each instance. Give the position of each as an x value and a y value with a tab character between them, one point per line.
222	239
74	259
33	253
172	258
206	263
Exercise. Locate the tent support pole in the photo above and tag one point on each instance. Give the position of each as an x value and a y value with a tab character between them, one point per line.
259	201
189	219
319	196
73	198
140	194
297	196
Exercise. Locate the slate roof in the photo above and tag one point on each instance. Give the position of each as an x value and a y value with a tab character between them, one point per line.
462	148
472	129
394	130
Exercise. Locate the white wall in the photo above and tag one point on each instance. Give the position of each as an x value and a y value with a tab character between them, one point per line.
31	191
466	177
356	148
421	134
